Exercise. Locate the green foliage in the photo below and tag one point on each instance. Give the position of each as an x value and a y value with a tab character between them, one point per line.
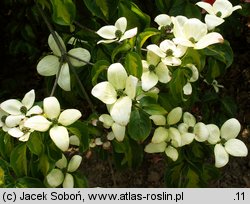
139	126
63	11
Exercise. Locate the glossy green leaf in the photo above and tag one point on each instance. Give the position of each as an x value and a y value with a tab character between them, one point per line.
195	57
122	48
35	143
133	64
133	14
221	52
18	160
29	182
64	11
143	36
139	126
154	109
102	8
44	164
192	11
6	145
81	130
80	181
163	5
99	67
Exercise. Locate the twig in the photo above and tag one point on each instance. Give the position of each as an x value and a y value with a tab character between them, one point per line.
56	80
72	56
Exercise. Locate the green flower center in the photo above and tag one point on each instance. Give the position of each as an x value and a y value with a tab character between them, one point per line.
3	118
192	40
223	141
151	68
54	121
25	130
169	52
167	28
190	129
23	110
218	14
118	34
120	92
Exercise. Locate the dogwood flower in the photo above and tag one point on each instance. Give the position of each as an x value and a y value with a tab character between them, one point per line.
169	52
116	32
50	64
187	89
215	85
229	145
154	70
118	131
21	132
191	130
165	138
219	10
118	92
18	111
193	33
57	176
54	120
164	22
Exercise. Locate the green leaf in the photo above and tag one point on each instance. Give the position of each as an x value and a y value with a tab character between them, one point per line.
178	8
18	160
99	67
80	181
215	69
195	57
6	145
221	52
143	36
5	175
29	182
133	64
44	164
176	84
192	11
163	5
64	11
133	14
104	9
229	107
139	126
35	143
154	109
122	48
81	130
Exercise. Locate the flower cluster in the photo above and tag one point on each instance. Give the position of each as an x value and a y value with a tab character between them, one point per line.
180	129
21	118
122	91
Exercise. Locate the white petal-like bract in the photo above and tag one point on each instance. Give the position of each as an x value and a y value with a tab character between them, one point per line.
74	163
120	111
105	92
38	123
221	156
60	137
51	107
236	148
69	116
230	129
